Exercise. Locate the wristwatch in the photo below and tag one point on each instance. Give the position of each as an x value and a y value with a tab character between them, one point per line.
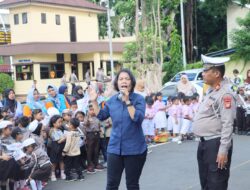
128	103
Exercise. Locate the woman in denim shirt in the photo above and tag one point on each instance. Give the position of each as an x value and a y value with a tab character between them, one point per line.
127	148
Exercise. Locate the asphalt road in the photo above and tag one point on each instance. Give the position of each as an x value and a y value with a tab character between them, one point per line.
173	167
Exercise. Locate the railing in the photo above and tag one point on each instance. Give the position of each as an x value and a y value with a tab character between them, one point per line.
5	38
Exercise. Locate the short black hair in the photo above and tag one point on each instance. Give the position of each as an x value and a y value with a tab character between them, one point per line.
158	94
53	120
16	131
73	102
181	95
186	99
131	76
175	98
24	121
235	71
80	112
75	122
36	111
221	70
149	100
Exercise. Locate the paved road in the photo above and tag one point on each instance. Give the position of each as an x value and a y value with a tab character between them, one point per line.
173	167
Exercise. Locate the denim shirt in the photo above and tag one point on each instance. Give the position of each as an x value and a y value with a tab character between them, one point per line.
127	136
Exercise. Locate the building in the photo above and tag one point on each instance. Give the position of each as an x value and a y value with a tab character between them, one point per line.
53	37
235	10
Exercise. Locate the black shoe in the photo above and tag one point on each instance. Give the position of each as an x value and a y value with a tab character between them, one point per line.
81	178
70	178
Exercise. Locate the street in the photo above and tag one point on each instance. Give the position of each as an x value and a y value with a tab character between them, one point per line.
173	167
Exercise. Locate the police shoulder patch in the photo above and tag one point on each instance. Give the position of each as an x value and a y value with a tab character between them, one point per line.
227	102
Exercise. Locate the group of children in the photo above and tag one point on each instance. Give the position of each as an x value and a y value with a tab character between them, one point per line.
174	116
42	147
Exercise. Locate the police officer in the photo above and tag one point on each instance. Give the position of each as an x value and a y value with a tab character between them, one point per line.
213	124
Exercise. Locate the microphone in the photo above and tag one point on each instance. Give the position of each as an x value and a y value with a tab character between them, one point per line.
121	93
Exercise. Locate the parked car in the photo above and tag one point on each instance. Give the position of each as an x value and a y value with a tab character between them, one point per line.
171	90
194	75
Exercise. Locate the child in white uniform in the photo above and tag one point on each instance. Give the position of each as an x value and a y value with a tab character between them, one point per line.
187	117
148	123
160	118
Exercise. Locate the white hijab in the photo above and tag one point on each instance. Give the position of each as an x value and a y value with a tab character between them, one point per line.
188	89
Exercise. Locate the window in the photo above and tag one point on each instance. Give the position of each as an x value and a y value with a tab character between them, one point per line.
177	77
93	68
200	77
108	67
43	18
85	67
25	18
60	58
50	71
58	20
24	72
16	19
169	91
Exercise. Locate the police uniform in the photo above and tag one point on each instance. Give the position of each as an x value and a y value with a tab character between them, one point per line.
213	124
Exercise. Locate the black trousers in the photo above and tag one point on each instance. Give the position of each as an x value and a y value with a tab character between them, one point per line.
72	162
93	140
73	88
241	119
211	177
83	157
133	166
248	122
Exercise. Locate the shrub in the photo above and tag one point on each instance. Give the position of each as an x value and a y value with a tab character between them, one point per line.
5	82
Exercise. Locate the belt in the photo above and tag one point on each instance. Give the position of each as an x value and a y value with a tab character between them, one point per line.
203	139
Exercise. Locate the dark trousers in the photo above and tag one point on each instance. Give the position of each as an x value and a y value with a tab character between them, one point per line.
241	119
211	177
73	87
93	140
103	148
248	122
83	156
133	166
72	162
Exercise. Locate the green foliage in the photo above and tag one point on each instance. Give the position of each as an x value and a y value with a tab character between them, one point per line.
212	25
130	52
175	64
5	82
241	39
1	60
196	65
126	10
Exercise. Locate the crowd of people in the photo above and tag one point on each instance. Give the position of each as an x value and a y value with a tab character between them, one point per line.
51	138
59	138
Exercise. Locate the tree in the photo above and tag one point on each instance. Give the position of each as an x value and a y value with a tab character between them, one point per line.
241	39
174	64
5	82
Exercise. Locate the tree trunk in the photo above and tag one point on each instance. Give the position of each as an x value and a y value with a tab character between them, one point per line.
160	44
137	32
189	29
155	27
